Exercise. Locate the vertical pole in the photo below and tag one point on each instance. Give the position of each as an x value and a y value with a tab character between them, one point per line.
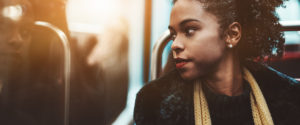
147	38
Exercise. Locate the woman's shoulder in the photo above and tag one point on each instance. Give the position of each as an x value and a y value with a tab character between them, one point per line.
168	89
161	84
166	99
281	92
264	72
274	84
149	98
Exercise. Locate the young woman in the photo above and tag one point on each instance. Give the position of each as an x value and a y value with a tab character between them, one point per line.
215	81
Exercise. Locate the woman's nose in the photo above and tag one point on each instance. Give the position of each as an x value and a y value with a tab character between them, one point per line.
16	40
177	46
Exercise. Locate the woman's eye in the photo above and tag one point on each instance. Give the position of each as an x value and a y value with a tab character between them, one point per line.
190	31
25	33
173	36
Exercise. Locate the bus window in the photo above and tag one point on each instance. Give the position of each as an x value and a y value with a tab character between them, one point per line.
290	62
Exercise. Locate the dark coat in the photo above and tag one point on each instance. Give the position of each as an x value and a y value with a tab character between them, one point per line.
169	100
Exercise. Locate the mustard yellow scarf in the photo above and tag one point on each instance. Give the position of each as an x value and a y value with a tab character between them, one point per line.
260	110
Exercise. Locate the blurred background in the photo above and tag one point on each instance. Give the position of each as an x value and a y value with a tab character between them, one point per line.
110	42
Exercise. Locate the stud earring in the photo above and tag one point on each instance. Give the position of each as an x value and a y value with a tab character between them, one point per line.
230	45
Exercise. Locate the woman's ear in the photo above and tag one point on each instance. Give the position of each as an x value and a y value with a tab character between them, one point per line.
233	34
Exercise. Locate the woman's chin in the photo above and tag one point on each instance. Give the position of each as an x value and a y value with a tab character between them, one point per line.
186	75
191	73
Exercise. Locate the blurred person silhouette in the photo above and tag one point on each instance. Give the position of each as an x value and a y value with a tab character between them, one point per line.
16	19
96	95
111	55
100	81
15	38
24	100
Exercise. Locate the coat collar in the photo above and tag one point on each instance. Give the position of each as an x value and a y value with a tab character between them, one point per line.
281	92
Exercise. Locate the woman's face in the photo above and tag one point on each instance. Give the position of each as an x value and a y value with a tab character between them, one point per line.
14	35
197	44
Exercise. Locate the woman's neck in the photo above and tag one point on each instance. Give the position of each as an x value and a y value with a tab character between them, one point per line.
227	78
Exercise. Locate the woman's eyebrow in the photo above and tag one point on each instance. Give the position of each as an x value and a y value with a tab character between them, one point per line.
170	28
182	23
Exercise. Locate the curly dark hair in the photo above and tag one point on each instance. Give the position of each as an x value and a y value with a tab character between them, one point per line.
261	30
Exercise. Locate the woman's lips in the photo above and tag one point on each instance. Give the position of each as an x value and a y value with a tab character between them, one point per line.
180	65
181	62
9	57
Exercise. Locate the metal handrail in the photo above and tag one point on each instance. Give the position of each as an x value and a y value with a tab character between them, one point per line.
290	25
161	43
67	64
158	48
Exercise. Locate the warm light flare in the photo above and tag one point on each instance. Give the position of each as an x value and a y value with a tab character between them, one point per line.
91	15
12	12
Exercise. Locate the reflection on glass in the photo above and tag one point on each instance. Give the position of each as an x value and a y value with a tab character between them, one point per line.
14	37
31	94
